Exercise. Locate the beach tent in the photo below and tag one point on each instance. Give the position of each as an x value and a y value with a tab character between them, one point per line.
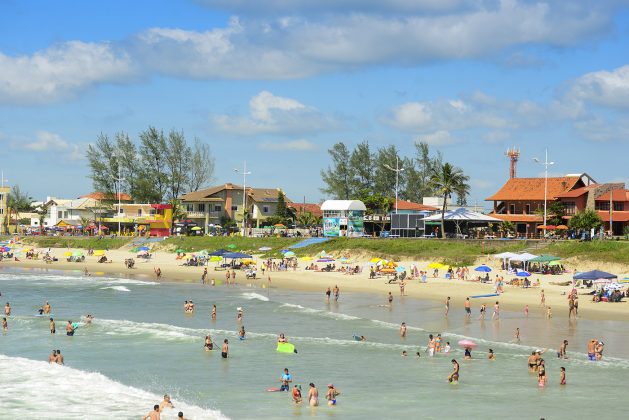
218	253
594	275
265	248
525	257
544	259
236	255
505	255
462	215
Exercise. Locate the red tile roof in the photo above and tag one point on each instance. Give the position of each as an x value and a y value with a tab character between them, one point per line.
526	189
101	196
619	195
577	192
617	216
521	218
409	205
315	209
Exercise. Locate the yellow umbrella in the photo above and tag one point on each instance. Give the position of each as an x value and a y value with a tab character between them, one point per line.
99	252
215	258
67	254
375	260
435	265
306	258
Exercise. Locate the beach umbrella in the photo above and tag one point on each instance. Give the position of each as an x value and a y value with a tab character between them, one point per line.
594	275
77	253
553	263
231	246
375	260
203	252
143	248
467	343
388	270
265	248
522	273
179	250
483	269
435	265
134	250
400	269
306	258
544	259
99	252
284	251
4	249
196	228
325	260
289	254
67	254
279	225
215	258
562	227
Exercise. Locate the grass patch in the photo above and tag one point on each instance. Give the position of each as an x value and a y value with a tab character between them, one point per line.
445	251
76	242
212	243
605	251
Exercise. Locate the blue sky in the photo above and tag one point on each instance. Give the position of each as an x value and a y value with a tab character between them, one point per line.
278	85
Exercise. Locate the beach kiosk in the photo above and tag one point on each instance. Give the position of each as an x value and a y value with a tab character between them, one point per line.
161	222
343	218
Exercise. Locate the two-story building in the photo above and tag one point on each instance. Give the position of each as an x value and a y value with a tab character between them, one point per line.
212	205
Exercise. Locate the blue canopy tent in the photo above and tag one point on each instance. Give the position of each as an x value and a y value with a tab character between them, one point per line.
218	253
235	255
594	275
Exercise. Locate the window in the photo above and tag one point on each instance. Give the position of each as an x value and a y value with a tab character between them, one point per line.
571	207
201	207
265	209
1	210
189	207
1	197
139	212
604	206
217	208
512	208
234	208
59	215
153	212
620	206
120	210
65	214
527	209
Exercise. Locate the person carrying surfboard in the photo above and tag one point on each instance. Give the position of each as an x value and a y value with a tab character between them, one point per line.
69	329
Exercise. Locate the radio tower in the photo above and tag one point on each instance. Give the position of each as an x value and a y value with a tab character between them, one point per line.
513	154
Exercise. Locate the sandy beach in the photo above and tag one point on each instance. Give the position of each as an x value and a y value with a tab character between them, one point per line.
513	299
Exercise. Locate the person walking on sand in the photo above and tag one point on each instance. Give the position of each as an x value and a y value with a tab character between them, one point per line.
496	314
542	298
402	285
158	275
549	313
227	276
233	276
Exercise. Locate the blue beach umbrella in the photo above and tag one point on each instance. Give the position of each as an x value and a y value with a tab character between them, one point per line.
400	269
522	274
143	248
483	268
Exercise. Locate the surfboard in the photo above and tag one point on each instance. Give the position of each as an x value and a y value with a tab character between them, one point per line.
45	315
242	338
75	325
484	296
273	390
286	348
357	338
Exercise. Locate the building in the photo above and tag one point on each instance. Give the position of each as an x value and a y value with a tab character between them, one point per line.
213	205
610	201
438	202
4	211
408	221
521	201
343	218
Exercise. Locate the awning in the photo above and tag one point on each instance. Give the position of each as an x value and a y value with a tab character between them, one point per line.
594	275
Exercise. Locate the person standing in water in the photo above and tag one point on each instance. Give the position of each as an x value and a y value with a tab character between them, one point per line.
213	312
454	376
296	395
468	308
225	349
483	310
7	309
158	272
53	357
431	345
447	303
204	275
516	337
153	414
332	394
336	291
313	395
5	325
562	350
285	380
390	298
69	329
59	358
241	333
496	314
328	293
52	326
166	403
47	308
562	376
403	330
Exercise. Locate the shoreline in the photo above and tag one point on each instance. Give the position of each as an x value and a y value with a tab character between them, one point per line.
436	289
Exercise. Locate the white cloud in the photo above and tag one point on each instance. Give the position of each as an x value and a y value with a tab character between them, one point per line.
294	146
270	114
606	88
60	71
46	141
438	138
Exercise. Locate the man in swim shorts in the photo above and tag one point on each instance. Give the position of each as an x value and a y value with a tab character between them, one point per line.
225	349
562	350
313	395
5	325
47	308
336	291
468	308
331	394
69	329
327	294
7	309
59	358
431	345
562	376
285	380
454	376
403	330
591	346
52	326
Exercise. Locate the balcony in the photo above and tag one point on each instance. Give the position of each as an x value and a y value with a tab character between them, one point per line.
201	214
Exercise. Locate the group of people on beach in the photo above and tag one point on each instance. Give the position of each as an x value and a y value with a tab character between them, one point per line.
155	413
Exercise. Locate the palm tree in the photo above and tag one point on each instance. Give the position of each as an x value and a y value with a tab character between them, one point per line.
18	202
447	179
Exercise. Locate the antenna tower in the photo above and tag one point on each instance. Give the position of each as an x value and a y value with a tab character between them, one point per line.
514	155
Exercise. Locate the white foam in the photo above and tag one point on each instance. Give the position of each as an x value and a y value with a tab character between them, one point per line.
35	389
118	288
319	312
38	277
255	296
154	330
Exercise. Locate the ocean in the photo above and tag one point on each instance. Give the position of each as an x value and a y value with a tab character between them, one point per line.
141	345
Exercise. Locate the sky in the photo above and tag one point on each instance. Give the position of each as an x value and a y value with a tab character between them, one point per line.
277	83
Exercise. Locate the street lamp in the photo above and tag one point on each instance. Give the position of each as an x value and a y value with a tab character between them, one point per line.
119	180
546	164
397	171
244	195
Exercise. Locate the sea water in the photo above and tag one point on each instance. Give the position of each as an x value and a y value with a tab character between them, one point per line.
141	345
